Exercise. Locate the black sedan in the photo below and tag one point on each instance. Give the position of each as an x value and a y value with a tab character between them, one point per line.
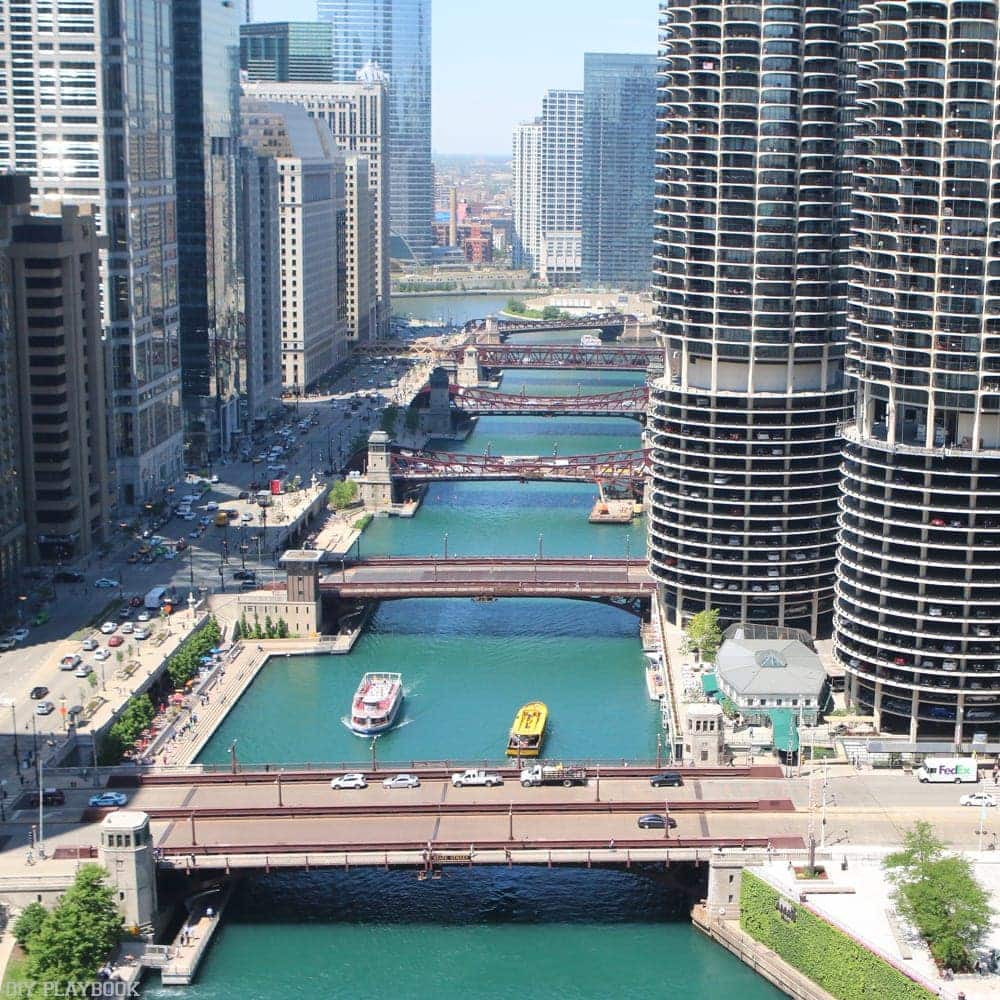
39	692
669	779
654	821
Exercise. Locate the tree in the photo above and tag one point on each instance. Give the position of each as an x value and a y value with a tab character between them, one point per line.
268	627
703	634
343	494
282	628
514	306
551	312
77	936
29	923
938	894
237	631
389	417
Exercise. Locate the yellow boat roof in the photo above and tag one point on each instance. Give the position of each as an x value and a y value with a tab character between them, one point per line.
530	719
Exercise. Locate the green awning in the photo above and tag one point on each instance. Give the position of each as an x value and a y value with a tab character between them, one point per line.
709	684
785	727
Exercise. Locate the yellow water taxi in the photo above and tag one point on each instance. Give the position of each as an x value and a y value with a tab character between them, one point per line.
528	731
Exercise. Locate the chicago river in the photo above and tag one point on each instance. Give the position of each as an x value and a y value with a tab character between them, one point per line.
467	667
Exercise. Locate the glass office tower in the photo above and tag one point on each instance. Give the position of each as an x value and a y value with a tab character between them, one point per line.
749	283
619	150
396	34
287	51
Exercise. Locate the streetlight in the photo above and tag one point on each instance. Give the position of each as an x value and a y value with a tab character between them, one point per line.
233	765
21	598
446	545
628	549
374	761
539	545
9	702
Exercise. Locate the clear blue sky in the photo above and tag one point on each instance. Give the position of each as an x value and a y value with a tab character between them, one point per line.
494	60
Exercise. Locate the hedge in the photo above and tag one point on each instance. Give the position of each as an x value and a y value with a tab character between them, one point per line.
819	951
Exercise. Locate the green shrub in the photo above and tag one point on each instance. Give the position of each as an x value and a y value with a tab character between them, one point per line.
362	522
343	494
28	924
819	951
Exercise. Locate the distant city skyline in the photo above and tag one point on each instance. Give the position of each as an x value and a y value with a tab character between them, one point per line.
477	99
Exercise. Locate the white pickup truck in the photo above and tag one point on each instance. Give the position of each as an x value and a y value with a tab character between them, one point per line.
476	776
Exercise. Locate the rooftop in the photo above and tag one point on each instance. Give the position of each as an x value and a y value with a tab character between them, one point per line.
761	667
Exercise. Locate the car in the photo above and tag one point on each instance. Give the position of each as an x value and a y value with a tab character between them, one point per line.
141	632
655	821
402	781
38	692
105	799
115	640
40	619
243	495
70	662
938	522
89	645
204	521
181	545
135	601
244	574
68	576
128	628
669	779
109	628
214	480
83	670
246	517
101	654
105	582
124	613
978	799
50	797
44	708
20	634
248	585
353	780
7	644
143	616
211	506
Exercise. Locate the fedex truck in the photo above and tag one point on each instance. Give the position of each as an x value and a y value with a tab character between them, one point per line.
954	769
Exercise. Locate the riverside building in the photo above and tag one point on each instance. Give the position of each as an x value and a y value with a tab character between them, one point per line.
918	574
357	116
749	282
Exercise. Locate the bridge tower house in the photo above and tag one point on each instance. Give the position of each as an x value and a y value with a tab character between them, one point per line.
376	484
436	419
127	853
469	374
491	331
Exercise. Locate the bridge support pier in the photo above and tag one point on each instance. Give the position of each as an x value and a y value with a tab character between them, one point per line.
491	331
725	877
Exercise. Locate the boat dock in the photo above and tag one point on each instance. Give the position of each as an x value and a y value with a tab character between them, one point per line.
193	939
612	512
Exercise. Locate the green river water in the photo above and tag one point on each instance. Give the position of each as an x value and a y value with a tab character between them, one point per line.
479	934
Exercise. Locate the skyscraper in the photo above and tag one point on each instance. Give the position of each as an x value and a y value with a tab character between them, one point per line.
395	34
527	185
559	204
312	223
750	285
91	93
357	116
60	363
206	102
918	601
287	50
619	151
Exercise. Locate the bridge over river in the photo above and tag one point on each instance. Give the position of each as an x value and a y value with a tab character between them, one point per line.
397	577
570	356
610	325
627	403
290	817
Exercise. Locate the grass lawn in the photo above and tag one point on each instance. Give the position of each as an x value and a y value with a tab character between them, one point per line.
16	972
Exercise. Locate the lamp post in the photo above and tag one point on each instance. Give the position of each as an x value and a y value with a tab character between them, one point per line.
628	550
539	545
446	545
233	764
374	761
9	702
21	598
280	773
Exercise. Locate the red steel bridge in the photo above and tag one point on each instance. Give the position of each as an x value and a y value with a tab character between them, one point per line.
433	466
628	403
569	356
613	324
618	581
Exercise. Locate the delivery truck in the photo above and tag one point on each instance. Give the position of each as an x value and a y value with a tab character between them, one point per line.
954	769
